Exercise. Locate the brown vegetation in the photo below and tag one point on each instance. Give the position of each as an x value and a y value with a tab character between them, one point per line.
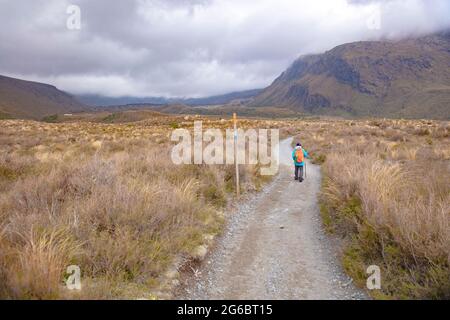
108	199
387	191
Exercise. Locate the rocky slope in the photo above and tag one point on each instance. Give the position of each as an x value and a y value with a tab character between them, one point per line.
407	78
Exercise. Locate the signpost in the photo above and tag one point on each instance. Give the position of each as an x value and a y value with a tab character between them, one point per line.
238	191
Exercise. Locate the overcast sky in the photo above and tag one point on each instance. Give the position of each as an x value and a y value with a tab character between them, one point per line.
180	48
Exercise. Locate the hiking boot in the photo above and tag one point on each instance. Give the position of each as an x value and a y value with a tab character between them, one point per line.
295	178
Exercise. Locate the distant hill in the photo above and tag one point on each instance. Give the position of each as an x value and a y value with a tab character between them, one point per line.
32	100
163	108
136	110
96	100
408	78
103	101
223	99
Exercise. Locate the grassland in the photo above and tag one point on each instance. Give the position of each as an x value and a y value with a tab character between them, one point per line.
105	197
101	192
386	192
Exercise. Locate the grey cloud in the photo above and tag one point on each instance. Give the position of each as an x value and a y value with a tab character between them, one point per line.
189	47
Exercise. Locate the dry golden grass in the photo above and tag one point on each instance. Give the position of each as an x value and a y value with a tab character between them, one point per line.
387	189
105	197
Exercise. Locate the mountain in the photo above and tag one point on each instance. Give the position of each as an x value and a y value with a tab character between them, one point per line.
234	97
97	100
407	78
103	101
33	100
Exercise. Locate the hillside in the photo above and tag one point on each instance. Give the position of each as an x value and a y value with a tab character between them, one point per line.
98	100
32	100
234	97
408	78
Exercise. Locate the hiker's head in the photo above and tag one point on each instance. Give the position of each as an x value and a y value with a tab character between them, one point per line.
299	144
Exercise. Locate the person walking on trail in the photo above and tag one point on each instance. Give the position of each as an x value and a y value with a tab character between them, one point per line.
298	155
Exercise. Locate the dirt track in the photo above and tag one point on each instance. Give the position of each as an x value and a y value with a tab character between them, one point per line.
274	247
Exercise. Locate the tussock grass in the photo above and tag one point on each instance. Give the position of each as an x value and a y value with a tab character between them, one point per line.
387	191
105	197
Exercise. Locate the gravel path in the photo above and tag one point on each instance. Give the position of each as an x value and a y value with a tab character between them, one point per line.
274	247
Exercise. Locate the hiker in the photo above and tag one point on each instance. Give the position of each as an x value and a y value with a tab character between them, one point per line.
298	155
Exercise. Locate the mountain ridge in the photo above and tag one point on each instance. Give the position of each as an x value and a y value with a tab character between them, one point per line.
34	100
407	78
102	101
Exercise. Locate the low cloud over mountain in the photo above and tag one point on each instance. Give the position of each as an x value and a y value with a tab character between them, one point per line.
190	48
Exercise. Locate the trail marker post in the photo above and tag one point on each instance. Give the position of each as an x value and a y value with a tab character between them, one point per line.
306	175
238	191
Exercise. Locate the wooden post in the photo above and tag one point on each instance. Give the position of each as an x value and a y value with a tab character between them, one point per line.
238	190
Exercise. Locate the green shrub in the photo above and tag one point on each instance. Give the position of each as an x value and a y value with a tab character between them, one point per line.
174	125
5	116
214	195
7	173
110	118
319	159
51	119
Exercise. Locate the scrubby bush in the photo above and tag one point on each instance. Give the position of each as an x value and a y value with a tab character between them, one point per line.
105	197
388	195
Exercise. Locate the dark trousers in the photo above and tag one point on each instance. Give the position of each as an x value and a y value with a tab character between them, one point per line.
298	173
